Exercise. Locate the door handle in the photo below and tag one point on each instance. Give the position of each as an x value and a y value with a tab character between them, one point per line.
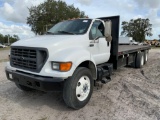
91	45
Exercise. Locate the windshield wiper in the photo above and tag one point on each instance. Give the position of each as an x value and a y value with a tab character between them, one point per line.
49	33
66	32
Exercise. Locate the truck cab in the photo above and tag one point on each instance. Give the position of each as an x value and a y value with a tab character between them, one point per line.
85	33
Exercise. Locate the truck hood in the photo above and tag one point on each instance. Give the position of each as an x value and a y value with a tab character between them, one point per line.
47	41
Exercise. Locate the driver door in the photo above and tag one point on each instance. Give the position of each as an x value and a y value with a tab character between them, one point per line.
98	47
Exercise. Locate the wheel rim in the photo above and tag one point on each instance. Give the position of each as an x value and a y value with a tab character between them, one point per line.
142	60
83	88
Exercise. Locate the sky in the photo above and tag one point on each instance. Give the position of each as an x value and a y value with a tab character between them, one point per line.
13	13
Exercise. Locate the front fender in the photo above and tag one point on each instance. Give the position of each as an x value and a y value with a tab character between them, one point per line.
76	55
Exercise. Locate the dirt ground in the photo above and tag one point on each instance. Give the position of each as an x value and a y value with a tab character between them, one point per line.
3	54
133	94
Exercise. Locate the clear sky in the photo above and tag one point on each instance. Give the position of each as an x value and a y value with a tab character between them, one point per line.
13	13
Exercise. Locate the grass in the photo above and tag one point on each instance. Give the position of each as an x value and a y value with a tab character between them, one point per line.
7	48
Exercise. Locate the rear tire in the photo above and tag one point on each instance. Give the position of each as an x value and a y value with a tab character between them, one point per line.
23	88
78	89
145	56
139	60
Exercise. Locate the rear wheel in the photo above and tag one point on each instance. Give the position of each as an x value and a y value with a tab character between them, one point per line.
145	56
139	60
23	88
78	89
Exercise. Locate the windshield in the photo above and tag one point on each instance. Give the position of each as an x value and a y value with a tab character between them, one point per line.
78	26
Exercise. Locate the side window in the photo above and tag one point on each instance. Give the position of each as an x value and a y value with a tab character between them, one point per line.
97	30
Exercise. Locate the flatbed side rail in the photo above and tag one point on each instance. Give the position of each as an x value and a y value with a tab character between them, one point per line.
127	49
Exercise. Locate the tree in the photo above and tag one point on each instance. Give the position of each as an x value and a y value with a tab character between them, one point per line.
4	38
138	29
47	14
16	37
1	38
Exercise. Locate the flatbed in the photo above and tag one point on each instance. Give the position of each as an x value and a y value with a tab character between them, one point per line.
126	49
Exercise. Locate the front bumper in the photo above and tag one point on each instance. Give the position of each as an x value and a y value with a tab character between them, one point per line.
35	81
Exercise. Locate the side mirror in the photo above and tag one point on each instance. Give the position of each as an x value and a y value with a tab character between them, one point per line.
108	29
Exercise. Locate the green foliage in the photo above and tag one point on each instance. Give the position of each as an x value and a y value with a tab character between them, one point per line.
47	14
5	38
138	29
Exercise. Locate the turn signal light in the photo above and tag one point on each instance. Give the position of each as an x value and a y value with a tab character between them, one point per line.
65	66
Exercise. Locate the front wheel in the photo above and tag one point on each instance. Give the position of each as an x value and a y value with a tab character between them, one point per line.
78	89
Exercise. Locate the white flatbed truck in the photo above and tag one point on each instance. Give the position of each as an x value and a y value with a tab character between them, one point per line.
72	57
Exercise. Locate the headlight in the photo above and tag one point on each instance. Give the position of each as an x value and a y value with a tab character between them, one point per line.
61	66
55	66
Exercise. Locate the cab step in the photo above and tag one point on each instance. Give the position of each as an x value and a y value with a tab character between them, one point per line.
104	72
105	80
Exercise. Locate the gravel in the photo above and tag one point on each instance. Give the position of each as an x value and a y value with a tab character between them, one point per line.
133	94
4	54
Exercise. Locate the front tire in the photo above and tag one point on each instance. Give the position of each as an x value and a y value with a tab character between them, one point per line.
78	89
